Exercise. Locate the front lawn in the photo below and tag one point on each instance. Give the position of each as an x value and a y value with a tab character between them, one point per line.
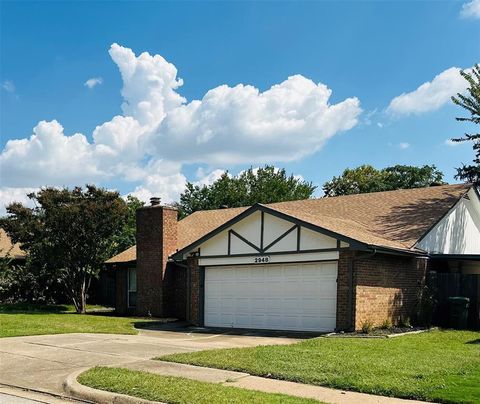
441	366
169	389
19	320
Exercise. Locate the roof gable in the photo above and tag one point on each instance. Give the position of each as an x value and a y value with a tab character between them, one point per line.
458	231
391	219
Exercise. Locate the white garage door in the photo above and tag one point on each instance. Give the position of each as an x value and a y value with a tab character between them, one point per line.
300	297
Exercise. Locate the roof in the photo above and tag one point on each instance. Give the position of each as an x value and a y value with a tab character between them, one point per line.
7	249
391	219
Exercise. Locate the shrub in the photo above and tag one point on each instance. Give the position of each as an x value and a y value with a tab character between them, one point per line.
367	327
386	325
405	322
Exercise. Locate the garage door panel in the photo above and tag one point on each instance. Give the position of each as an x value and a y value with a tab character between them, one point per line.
275	296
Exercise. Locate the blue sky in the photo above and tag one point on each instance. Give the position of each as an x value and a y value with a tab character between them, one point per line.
366	53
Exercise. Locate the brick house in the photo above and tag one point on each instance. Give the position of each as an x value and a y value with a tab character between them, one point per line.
310	265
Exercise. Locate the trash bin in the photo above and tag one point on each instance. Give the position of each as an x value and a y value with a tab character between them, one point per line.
458	312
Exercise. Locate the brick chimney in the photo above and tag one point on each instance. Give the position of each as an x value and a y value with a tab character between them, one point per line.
156	241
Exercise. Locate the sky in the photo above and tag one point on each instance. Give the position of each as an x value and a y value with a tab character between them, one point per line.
144	96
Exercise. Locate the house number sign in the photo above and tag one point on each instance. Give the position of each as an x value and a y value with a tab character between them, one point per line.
261	260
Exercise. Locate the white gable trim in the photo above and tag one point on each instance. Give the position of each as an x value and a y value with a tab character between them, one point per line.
262	234
458	232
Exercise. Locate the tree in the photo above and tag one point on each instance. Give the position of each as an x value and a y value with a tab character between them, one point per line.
126	236
365	179
470	102
263	185
68	234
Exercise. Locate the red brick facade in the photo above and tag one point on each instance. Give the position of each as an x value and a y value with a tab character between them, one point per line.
193	286
370	288
156	241
387	287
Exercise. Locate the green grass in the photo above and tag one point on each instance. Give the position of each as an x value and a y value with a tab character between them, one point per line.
169	389
441	366
20	320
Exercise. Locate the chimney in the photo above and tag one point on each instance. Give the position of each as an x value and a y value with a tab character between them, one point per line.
156	241
154	201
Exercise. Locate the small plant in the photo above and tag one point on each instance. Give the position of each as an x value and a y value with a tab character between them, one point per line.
405	322
367	327
386	325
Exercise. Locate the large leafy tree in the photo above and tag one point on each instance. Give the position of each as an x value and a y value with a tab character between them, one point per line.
125	238
68	234
263	185
470	102
365	179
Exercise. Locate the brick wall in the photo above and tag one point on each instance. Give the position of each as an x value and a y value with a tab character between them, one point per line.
387	288
156	240
193	299
344	305
175	287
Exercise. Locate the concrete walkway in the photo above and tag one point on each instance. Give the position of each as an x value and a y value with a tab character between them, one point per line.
246	381
41	364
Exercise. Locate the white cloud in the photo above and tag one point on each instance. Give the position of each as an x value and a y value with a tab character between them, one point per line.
204	178
431	95
471	9
94	81
8	86
160	130
9	195
48	157
403	145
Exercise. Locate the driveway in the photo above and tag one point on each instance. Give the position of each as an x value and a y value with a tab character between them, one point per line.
43	362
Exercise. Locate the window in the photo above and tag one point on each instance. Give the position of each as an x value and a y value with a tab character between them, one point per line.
132	287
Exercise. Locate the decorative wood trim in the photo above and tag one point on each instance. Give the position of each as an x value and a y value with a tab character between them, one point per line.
245	241
279	238
262	229
354	244
299	231
277	253
229	247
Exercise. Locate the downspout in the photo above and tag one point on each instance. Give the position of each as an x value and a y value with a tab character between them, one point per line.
352	285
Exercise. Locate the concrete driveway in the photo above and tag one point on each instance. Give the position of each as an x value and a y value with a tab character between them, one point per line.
43	362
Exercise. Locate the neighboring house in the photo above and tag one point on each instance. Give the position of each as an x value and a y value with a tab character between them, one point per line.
310	265
10	251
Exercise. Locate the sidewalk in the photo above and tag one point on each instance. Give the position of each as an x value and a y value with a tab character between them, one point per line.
246	381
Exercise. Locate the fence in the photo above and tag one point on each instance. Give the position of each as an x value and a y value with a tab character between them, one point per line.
447	285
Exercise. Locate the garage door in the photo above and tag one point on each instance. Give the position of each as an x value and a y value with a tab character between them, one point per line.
301	297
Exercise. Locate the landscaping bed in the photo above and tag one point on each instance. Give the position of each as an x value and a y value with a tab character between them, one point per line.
381	332
441	366
169	389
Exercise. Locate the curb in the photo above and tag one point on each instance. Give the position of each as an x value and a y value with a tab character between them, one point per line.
74	389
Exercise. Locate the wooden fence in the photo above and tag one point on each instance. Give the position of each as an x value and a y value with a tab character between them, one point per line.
446	285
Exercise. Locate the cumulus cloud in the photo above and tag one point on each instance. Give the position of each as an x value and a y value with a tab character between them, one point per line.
94	81
9	195
403	145
48	157
159	131
431	95
471	9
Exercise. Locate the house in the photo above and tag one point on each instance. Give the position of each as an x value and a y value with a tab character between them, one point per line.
10	251
310	265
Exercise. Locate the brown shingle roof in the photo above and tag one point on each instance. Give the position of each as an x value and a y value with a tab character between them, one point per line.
7	249
393	219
